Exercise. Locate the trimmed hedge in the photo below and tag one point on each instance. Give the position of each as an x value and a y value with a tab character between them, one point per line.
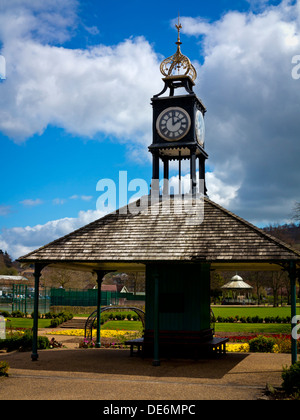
57	319
255	320
23	343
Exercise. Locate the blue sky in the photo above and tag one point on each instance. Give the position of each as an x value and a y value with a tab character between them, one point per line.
75	105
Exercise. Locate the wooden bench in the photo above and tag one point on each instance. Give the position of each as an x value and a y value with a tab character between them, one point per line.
217	345
138	342
194	345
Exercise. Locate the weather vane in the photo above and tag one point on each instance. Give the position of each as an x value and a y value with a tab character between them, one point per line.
179	26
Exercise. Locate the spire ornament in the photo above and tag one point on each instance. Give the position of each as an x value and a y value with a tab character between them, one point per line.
178	64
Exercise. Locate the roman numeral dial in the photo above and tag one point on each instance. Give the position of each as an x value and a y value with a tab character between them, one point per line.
173	124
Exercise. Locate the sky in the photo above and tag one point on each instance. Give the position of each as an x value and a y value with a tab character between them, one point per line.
76	79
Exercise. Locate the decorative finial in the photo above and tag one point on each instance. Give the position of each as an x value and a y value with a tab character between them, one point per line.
178	61
179	26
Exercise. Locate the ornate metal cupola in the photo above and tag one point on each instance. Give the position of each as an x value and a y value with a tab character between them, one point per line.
178	121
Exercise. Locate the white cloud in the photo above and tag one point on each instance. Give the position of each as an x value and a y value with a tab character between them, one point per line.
58	201
253	107
81	197
5	210
31	203
100	89
18	241
2	68
47	20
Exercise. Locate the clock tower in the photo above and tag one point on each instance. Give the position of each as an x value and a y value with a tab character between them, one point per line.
178	122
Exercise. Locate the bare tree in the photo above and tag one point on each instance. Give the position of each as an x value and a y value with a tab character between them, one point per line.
276	282
296	212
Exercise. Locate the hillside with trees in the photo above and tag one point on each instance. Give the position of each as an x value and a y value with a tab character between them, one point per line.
7	266
288	233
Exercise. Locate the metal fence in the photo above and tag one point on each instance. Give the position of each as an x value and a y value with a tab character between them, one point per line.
21	298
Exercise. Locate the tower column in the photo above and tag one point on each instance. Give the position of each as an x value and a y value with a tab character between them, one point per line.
193	172
202	182
166	176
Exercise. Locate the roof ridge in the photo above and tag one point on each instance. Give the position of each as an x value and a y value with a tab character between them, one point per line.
257	229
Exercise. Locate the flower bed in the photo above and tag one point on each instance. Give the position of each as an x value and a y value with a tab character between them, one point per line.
275	343
104	333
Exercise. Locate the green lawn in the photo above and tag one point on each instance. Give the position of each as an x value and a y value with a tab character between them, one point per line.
224	311
26	323
253	328
262	312
123	325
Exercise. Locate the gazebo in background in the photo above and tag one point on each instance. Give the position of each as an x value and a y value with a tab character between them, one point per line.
238	289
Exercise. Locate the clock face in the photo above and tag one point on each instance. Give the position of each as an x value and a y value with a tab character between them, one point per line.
200	128
173	124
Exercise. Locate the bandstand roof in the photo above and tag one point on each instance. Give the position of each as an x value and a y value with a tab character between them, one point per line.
237	285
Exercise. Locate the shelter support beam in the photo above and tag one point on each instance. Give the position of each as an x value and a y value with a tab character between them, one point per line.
293	277
37	274
100	277
156	361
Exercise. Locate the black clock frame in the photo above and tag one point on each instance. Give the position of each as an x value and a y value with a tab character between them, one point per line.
185	148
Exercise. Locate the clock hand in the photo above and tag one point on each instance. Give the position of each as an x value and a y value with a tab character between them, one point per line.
173	117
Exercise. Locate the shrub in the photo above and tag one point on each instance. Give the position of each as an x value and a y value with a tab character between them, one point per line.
5	314
57	319
24	342
291	378
104	318
32	315
17	314
4	366
261	344
282	345
55	322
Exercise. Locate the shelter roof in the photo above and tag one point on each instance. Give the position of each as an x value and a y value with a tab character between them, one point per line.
167	230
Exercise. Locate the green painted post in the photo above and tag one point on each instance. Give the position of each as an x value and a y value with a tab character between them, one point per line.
99	281
37	274
100	276
292	274
156	361
25	302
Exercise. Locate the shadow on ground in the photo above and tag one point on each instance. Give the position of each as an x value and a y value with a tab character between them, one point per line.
110	362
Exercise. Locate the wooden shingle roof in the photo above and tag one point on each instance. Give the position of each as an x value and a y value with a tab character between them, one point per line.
161	235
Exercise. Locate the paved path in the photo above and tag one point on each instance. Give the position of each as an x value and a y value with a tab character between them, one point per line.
107	374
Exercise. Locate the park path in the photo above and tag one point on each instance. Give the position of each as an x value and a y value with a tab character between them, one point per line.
108	374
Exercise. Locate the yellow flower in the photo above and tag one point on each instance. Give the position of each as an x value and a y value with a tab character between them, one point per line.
103	333
238	347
